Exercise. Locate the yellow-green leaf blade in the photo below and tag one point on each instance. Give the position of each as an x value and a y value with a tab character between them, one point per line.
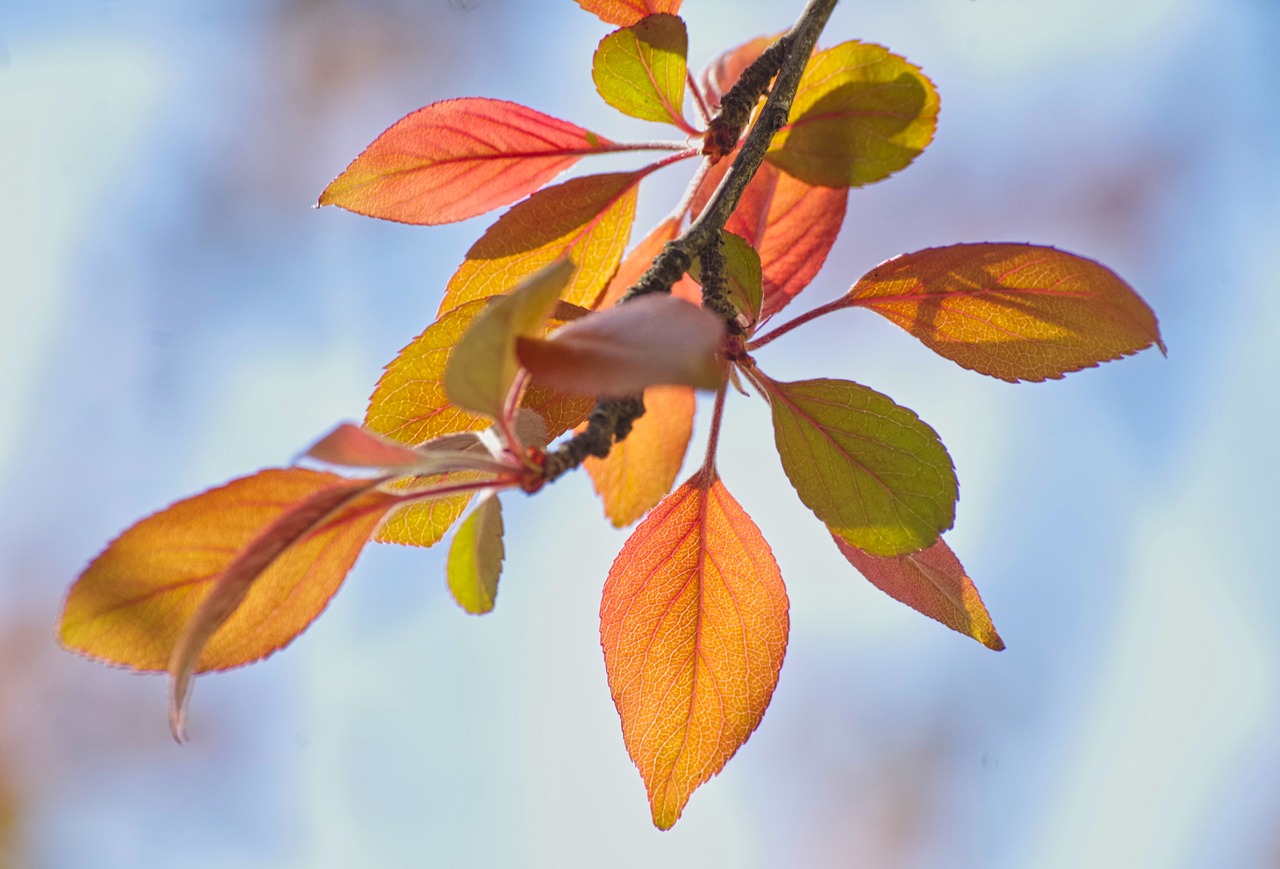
640	70
744	274
860	114
867	467
1013	311
475	558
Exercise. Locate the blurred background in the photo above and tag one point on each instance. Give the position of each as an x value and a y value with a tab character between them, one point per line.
173	313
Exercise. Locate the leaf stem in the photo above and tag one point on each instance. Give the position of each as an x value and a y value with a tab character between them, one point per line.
835	305
699	99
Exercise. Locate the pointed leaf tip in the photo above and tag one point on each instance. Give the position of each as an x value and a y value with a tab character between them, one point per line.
475	558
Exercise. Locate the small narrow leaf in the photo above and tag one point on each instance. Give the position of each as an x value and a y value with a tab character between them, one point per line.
859	115
640	70
640	470
587	220
1013	311
475	558
694	628
624	13
651	341
353	447
482	368
867	467
744	275
791	224
457	159
932	582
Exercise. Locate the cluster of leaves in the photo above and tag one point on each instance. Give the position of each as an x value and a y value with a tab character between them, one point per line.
548	327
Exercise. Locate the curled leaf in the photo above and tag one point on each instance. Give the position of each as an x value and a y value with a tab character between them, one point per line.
475	558
1013	311
459	158
651	341
353	447
694	626
640	69
933	582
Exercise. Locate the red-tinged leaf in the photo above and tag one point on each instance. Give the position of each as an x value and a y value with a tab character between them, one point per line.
641	469
624	13
859	115
131	605
791	224
354	508
475	558
694	628
457	159
640	70
1013	311
482	368
933	582
353	447
743	274
650	341
723	72
867	467
586	220
638	260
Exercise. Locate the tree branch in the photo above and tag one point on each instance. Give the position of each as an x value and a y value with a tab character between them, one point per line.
612	418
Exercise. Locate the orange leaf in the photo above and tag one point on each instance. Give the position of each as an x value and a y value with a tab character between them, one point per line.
459	158
656	340
638	260
694	628
132	604
860	114
790	223
624	13
640	470
588	220
1013	311
933	582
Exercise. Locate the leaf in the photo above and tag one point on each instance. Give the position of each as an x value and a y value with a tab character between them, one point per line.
791	224
132	604
655	340
932	582
640	470
724	71
587	220
475	558
482	368
638	260
640	70
860	114
624	13
459	158
694	628
424	523
1013	311
743	273
353	447
868	468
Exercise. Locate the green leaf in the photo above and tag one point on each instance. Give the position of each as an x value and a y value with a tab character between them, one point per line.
744	272
475	558
867	467
483	366
640	70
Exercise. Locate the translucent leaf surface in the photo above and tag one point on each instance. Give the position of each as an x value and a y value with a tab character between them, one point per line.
694	628
867	467
475	558
459	158
860	114
638	260
933	582
640	70
1014	311
624	13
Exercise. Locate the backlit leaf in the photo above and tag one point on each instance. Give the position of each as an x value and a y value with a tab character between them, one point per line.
640	70
694	628
657	340
743	273
482	368
933	582
131	605
791	224
638	260
353	447
424	523
868	468
859	115
475	558
640	470
588	220
624	13
1014	311
459	158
